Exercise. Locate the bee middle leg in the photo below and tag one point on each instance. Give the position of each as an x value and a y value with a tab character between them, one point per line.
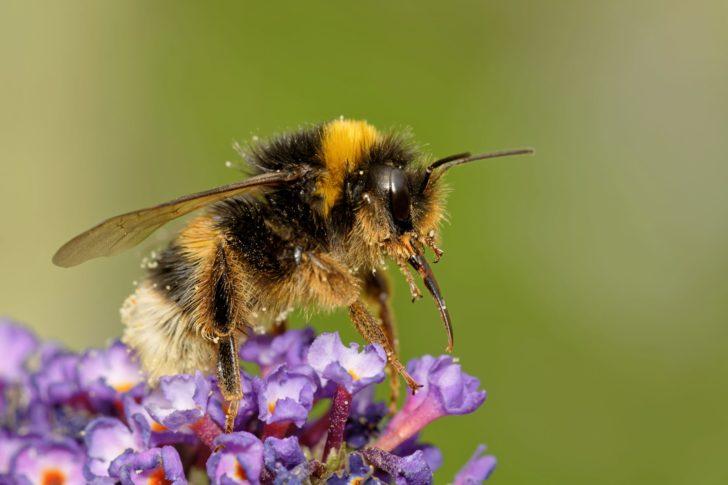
376	288
228	377
224	321
374	332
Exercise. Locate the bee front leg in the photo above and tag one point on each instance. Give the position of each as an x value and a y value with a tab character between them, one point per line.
373	331
376	288
228	376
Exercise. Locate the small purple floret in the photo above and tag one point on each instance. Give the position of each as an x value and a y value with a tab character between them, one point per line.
431	453
270	352
57	380
156	465
408	470
285	452
43	461
247	409
109	373
179	400
346	366
365	420
107	439
358	472
9	446
284	396
477	469
159	434
18	344
444	381
446	390
239	459
284	461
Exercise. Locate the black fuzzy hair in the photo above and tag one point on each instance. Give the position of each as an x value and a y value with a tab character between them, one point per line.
286	151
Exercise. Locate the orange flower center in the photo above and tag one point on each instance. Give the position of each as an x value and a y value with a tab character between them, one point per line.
158	428
53	477
123	387
240	472
157	478
271	407
354	375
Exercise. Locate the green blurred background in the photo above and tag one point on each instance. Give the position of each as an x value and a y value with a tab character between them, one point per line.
587	285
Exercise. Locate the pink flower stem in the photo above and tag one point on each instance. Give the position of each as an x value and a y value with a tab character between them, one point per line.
404	425
340	409
276	430
207	430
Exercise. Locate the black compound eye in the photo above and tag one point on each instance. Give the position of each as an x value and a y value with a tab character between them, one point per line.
399	198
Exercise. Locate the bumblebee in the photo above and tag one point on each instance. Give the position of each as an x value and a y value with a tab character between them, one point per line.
312	227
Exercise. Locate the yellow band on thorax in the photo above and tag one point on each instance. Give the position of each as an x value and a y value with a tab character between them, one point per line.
343	146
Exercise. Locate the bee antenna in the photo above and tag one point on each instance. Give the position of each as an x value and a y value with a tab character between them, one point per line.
461	158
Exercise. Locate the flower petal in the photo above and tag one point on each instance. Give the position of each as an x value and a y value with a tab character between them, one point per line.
179	400
17	344
477	469
238	459
49	462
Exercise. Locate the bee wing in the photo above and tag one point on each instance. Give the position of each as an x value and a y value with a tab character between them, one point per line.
125	231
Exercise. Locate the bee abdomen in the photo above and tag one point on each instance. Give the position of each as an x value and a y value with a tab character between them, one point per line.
162	335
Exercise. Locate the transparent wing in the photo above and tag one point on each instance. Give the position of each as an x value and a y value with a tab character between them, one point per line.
122	232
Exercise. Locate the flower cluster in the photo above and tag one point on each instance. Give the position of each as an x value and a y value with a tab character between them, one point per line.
310	416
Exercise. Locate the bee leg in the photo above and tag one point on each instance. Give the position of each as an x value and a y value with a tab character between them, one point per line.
377	289
414	289
228	376
373	332
279	326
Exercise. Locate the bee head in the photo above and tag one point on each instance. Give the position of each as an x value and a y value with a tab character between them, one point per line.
396	211
399	214
407	209
403	208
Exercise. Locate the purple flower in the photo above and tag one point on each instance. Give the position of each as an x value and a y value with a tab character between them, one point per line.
431	453
107	439
179	400
134	434
285	461
284	452
442	378
17	344
45	462
238	459
270	352
365	418
57	379
61	420
477	469
358	472
247	409
284	395
159	434
446	390
109	373
346	366
408	470
9	446
153	466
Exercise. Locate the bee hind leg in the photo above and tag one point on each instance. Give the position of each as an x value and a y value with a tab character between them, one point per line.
373	331
228	376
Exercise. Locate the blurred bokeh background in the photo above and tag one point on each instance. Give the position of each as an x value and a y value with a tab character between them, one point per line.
587	284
